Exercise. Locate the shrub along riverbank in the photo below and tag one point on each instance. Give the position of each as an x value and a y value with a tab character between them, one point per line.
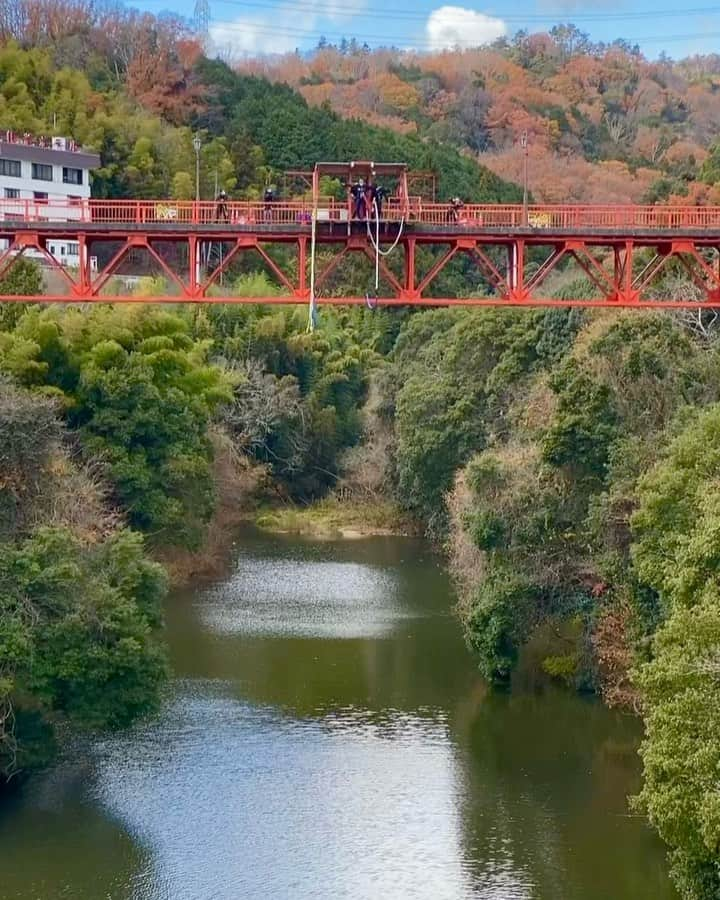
134	433
570	465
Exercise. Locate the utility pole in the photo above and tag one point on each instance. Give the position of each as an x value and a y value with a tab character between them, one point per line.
197	144
524	145
221	246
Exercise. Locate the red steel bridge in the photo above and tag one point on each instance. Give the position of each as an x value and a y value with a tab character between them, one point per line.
622	251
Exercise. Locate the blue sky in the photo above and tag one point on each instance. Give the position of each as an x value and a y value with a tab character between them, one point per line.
277	26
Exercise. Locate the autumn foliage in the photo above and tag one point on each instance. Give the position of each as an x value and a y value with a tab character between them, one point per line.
151	57
604	124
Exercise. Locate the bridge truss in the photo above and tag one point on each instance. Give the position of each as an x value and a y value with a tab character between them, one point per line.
623	252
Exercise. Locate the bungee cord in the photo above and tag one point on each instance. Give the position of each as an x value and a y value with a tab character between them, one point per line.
378	251
312	310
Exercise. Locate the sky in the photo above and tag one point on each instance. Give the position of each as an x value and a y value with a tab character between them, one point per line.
279	26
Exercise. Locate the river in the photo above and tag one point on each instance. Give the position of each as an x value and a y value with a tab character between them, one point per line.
326	737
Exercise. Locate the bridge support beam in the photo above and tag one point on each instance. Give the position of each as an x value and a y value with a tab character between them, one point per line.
513	267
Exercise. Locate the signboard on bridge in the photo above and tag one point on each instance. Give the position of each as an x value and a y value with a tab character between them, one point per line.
539	220
166	213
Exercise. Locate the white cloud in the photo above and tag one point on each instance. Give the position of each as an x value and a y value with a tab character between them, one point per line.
455	26
282	30
244	37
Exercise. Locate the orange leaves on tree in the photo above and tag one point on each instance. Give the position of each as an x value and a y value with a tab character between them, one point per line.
159	77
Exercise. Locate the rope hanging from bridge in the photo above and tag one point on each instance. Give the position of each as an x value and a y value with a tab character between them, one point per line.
378	252
312	310
376	244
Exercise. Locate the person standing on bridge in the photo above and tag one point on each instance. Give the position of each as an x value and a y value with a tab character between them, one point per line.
379	195
221	207
357	191
369	197
268	200
453	214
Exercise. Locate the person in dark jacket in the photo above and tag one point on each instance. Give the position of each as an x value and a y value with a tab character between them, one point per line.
453	214
379	195
268	200
357	191
221	207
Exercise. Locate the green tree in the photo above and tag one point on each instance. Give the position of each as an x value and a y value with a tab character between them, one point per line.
677	534
76	635
23	279
139	391
455	371
681	750
183	187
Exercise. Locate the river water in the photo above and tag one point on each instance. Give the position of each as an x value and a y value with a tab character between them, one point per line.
327	737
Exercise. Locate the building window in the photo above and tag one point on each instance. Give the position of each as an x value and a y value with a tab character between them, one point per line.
73	249
12	193
72	176
41	172
40	195
10	167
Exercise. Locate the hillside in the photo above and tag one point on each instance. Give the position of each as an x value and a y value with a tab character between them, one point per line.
135	89
604	124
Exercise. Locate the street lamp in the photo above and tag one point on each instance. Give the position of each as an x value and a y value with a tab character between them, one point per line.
197	143
524	145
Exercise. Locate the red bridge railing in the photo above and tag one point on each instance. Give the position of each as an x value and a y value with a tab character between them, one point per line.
298	213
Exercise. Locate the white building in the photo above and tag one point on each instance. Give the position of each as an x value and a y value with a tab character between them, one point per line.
51	178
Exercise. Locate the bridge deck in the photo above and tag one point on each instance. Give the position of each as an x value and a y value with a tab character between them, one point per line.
339	232
421	217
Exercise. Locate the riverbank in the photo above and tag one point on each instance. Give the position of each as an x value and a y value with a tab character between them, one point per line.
331	518
237	485
241	488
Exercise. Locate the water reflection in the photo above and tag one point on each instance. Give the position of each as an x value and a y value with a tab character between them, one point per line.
55	843
277	806
328	737
295	597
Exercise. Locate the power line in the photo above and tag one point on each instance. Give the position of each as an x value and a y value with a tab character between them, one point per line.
387	40
382	12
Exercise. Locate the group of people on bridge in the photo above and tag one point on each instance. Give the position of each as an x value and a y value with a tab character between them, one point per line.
367	199
222	213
